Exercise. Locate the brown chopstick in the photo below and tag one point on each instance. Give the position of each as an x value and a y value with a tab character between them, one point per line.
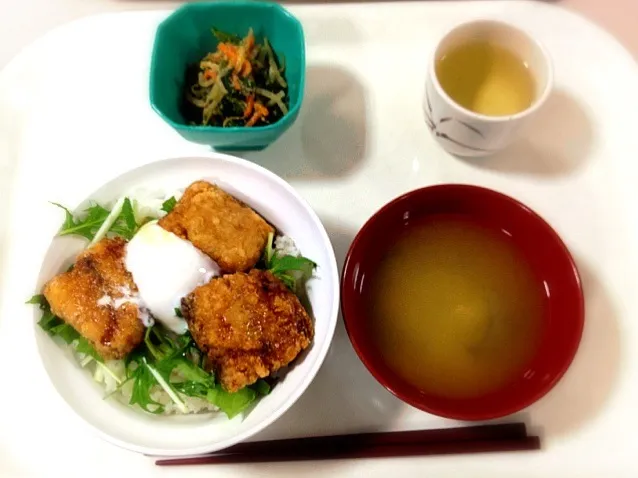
474	439
386	451
458	434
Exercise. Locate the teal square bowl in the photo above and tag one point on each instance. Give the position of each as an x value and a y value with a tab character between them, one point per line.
185	38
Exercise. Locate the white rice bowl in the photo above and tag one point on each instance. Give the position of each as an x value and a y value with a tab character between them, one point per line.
204	429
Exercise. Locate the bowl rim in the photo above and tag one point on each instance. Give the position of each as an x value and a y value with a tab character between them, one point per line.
356	339
243	4
292	397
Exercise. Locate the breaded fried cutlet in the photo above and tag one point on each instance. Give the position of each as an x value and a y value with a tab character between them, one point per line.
93	299
228	231
248	325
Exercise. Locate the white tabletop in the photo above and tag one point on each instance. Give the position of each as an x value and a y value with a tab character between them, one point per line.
578	171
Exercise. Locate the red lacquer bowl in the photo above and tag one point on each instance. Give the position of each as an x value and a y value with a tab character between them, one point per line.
538	242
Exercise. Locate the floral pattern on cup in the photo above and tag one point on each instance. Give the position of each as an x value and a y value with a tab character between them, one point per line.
436	131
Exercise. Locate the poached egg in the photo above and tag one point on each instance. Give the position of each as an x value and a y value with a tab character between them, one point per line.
166	268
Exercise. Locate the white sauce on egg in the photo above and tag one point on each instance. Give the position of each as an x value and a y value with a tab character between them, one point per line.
166	268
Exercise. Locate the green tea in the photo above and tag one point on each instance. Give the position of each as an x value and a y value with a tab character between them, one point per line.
486	78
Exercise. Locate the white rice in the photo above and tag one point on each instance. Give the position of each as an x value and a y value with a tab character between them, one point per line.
284	245
112	373
148	202
194	405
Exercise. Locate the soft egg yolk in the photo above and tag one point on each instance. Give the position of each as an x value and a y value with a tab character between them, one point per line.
166	268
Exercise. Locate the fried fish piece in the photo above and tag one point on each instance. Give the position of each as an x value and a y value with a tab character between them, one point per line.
228	231
248	325
97	298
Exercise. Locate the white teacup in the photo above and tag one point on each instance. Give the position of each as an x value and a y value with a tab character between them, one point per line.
463	132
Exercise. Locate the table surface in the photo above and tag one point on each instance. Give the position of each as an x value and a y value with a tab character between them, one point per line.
19	25
55	12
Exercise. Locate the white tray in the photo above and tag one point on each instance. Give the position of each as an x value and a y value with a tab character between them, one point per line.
74	112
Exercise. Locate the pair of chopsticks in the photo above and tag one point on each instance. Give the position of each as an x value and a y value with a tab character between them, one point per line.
444	441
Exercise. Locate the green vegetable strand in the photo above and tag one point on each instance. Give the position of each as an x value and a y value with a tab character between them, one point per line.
55	326
291	270
169	204
177	362
89	223
95	215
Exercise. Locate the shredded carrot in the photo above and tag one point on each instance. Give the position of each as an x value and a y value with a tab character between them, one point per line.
247	69
236	83
260	112
229	51
250	103
249	41
239	62
210	74
261	109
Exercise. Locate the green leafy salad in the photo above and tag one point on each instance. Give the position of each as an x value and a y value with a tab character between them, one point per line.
166	373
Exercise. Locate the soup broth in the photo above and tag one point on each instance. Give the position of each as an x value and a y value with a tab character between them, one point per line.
486	78
455	309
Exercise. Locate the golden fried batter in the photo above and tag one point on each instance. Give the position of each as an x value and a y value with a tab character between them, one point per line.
248	325
228	231
92	298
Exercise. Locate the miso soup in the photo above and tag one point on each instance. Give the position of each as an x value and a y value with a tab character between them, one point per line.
455	309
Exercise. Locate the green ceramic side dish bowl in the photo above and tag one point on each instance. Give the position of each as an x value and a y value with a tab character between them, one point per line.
185	38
